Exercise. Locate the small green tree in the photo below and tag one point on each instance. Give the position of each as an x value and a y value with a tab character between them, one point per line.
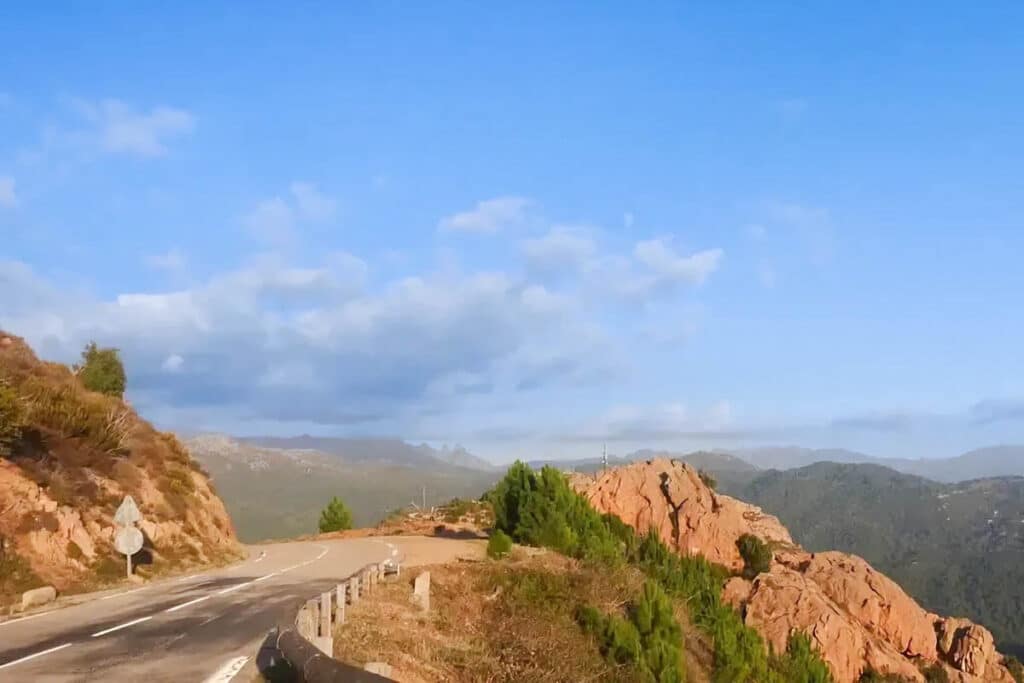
336	516
757	556
1015	668
102	370
499	545
12	418
708	479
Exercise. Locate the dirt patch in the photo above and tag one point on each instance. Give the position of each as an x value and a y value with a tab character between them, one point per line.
511	620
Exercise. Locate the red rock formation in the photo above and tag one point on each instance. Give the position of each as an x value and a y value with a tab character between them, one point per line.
857	617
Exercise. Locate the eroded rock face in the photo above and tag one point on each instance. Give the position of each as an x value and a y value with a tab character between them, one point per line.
690	518
856	617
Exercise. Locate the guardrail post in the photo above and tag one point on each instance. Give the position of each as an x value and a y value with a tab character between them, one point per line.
325	614
353	589
339	606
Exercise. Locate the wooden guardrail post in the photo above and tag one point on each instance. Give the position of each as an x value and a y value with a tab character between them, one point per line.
353	589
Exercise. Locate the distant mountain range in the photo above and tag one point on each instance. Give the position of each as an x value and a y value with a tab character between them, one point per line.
275	488
994	461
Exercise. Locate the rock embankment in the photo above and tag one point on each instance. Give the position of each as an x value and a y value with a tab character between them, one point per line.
858	618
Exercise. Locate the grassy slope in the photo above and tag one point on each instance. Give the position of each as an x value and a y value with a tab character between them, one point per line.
945	544
511	620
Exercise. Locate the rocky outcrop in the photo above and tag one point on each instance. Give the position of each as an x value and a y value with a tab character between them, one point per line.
858	618
75	456
669	497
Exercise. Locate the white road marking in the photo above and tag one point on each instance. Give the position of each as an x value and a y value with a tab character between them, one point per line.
231	589
187	604
228	671
186	578
260	558
118	628
117	595
34	655
31	616
267	576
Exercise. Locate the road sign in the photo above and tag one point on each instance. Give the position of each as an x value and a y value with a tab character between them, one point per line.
128	512
128	540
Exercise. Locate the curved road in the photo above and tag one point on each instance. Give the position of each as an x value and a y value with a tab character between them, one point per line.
194	628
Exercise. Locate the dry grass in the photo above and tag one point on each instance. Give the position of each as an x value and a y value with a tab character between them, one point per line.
511	620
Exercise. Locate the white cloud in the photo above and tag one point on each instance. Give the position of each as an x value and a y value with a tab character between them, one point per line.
310	203
8	197
119	128
562	248
272	221
668	265
488	216
173	260
172	363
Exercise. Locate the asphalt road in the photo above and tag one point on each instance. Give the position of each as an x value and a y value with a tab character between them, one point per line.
196	628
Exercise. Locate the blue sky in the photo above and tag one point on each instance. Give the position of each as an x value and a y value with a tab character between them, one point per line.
529	229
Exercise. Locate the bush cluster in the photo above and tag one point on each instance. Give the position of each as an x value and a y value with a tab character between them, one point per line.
541	509
649	639
101	370
12	418
757	556
499	545
1015	667
336	516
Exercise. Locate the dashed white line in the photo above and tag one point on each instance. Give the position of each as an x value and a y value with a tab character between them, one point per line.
228	671
34	655
118	628
187	604
266	576
117	595
231	589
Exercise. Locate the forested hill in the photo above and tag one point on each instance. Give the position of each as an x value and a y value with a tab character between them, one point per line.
957	548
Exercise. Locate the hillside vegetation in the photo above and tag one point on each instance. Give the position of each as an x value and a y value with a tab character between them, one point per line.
956	548
68	456
541	509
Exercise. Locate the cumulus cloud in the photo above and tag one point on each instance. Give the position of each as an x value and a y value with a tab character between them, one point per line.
488	216
669	266
664	422
275	220
271	221
119	128
328	348
562	248
8	197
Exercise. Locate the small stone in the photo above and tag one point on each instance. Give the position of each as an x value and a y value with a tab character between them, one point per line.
38	596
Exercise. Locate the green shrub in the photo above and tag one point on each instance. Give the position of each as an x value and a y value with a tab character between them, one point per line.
1015	667
708	479
336	516
101	370
935	673
757	556
499	545
872	676
12	418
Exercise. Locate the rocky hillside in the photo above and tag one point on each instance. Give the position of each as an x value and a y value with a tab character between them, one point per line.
69	456
860	621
